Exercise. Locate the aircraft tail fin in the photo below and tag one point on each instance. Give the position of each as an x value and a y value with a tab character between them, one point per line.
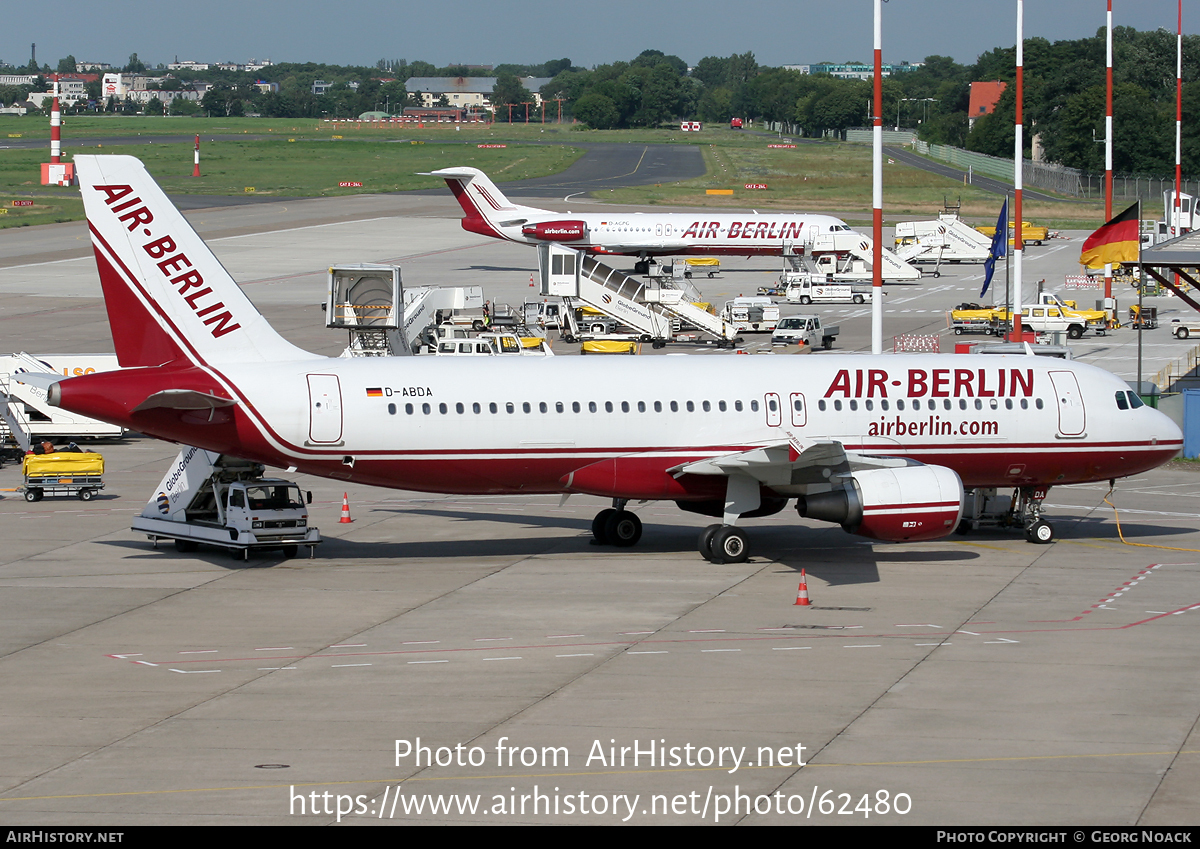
484	205
168	297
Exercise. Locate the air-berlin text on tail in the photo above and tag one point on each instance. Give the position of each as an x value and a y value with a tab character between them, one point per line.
746	230
133	212
936	383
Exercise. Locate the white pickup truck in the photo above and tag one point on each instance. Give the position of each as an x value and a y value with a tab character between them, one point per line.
805	330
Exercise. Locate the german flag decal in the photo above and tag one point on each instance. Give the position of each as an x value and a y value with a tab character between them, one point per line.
1115	242
375	392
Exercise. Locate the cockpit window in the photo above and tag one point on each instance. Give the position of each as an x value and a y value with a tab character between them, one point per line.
1135	400
1122	401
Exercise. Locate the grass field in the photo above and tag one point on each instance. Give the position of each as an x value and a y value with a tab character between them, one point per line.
836	178
303	168
307	158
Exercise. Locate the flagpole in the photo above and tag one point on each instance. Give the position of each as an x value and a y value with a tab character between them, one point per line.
1007	270
1141	293
1108	145
1176	229
877	192
1018	168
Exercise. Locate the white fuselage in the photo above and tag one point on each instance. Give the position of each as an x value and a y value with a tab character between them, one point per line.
522	425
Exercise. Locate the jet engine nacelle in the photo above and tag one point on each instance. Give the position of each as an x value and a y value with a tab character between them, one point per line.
909	503
556	231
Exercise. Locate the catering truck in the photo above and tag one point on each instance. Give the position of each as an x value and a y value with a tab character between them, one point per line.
224	501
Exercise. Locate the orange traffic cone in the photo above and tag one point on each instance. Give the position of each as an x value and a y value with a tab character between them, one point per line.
345	520
802	592
531	283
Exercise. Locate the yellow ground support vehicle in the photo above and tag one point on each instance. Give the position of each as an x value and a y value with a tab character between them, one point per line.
971	318
708	265
1030	233
63	473
609	346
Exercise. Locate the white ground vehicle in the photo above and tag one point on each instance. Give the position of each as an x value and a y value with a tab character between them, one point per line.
801	288
223	501
1041	319
755	314
1184	328
805	330
493	344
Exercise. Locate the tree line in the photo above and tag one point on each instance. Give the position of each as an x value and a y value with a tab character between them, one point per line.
1063	109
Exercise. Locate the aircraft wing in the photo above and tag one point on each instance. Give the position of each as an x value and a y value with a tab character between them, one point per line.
785	464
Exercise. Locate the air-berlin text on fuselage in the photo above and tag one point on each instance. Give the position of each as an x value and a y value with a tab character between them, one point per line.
133	212
936	383
746	230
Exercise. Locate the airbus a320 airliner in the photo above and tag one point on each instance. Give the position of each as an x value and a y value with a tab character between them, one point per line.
881	445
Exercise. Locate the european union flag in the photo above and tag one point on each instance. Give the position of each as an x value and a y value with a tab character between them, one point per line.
999	247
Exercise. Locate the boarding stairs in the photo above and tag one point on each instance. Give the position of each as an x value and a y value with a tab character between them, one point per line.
846	255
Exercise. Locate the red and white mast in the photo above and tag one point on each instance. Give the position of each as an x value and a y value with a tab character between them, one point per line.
877	192
55	129
196	165
1018	163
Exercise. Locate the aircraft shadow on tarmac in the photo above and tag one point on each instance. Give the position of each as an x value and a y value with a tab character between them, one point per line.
828	554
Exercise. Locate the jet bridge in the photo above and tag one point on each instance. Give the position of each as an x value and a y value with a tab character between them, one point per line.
362	299
650	307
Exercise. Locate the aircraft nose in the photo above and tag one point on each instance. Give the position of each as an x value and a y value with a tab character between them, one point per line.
1163	428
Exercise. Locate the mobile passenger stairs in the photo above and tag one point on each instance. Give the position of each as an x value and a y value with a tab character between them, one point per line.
655	308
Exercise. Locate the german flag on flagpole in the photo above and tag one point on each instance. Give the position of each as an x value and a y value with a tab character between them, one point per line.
1117	241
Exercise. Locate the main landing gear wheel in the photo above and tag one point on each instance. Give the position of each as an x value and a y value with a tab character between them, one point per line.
729	545
724	544
623	529
616	527
600	526
704	541
1040	532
